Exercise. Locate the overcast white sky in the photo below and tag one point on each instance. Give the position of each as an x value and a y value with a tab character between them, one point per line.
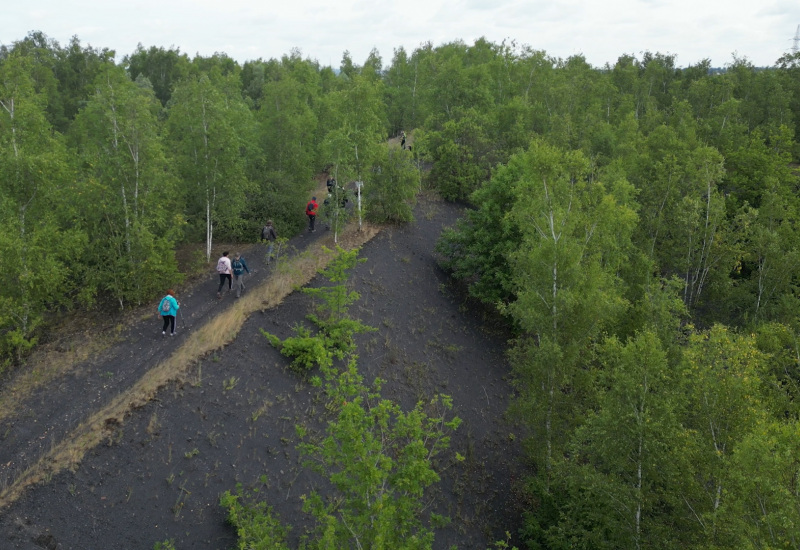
693	30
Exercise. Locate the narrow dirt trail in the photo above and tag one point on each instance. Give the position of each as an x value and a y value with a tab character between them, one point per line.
32	427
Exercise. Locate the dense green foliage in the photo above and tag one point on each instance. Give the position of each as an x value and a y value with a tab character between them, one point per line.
643	244
392	193
637	224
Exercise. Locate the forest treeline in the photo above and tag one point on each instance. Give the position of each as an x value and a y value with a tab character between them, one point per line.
637	224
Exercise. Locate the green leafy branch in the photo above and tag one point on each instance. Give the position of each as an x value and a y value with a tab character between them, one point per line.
334	338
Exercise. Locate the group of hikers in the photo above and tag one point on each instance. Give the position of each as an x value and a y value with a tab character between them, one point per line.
232	271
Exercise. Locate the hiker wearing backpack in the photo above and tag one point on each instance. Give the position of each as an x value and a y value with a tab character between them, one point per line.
268	235
327	211
311	212
239	266
168	308
224	270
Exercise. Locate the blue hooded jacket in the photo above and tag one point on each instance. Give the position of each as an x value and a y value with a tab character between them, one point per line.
173	306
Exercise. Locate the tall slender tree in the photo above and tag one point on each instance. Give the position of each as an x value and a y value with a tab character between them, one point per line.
206	148
38	242
623	462
575	236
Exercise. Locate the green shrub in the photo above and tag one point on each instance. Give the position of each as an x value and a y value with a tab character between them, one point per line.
255	526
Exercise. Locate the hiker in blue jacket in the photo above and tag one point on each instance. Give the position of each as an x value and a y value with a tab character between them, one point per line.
239	266
168	308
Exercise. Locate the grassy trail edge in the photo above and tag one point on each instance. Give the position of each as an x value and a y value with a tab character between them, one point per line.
211	336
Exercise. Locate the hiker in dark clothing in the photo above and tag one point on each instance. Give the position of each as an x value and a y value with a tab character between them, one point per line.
268	235
239	266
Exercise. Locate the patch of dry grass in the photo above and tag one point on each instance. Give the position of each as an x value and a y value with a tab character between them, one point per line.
213	335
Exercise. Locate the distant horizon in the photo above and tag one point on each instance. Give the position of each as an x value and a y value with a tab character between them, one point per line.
322	31
119	56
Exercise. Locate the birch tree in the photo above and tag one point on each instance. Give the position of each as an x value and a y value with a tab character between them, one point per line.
351	147
625	461
684	227
132	208
761	509
391	191
357	117
724	377
287	138
575	236
38	241
206	148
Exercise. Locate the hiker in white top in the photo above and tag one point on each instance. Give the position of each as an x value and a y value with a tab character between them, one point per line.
225	271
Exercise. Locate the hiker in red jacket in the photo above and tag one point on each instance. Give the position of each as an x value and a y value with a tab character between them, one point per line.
311	212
